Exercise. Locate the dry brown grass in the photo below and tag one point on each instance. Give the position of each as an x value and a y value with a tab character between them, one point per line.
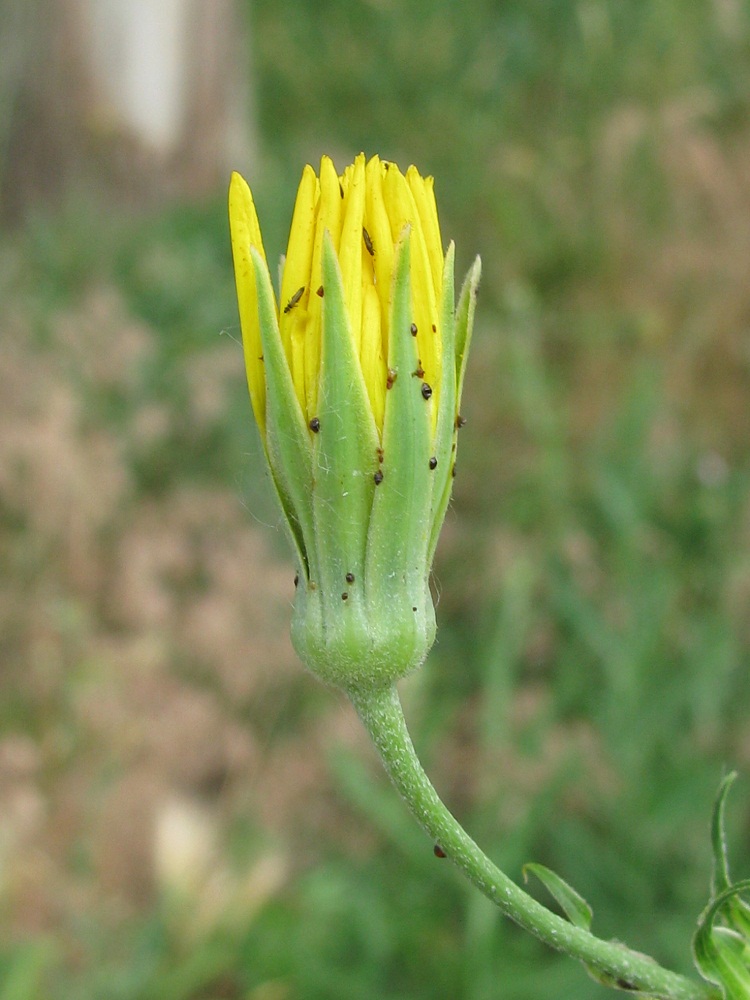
146	665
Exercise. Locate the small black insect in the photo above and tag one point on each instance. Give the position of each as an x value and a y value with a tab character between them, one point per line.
350	577
453	470
314	425
320	292
296	579
378	477
438	851
294	300
434	328
413	330
345	596
368	242
426	390
460	421
433	462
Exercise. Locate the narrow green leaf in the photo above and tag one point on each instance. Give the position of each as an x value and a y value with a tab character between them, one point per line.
721	880
573	905
721	953
579	913
737	913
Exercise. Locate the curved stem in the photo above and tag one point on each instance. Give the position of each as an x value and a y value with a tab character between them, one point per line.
381	713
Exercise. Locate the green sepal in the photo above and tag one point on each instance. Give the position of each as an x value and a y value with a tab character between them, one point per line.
444	446
287	439
467	302
457	330
345	448
330	631
397	568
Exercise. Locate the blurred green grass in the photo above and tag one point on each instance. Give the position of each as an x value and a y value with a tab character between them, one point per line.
591	681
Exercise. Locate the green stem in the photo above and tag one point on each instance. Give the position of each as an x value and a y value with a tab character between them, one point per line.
382	715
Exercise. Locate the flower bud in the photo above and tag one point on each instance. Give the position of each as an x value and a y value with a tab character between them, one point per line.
355	378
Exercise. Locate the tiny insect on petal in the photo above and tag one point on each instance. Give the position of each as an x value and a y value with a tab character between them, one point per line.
294	300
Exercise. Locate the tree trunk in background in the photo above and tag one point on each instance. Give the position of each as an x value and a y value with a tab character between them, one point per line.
140	99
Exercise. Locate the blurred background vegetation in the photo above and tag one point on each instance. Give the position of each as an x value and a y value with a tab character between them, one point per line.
184	814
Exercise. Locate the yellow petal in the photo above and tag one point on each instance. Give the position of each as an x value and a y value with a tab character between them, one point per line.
379	228
372	357
298	262
328	216
331	203
352	247
422	189
245	233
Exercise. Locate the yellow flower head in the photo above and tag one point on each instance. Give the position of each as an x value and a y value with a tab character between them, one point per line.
355	374
365	210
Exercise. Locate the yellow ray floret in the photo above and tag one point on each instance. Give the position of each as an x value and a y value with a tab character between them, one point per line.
246	234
